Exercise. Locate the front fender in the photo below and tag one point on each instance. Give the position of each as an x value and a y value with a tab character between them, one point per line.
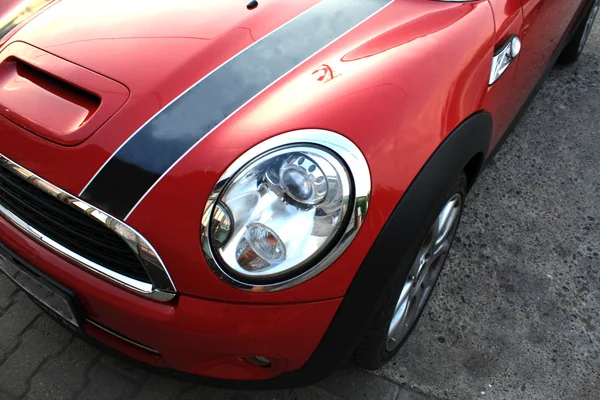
392	248
396	86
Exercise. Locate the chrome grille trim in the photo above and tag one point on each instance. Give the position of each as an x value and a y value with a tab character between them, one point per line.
162	287
119	336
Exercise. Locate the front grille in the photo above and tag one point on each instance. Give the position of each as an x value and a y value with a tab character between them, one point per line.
69	227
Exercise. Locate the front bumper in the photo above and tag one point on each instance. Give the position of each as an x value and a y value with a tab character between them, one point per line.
189	334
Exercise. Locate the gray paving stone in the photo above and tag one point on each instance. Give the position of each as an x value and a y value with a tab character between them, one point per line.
16	319
307	393
7	290
159	387
47	388
34	349
4	396
121	367
52	329
69	369
409	394
3	355
295	394
353	384
313	393
206	393
106	384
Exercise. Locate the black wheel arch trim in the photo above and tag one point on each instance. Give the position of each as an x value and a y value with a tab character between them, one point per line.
334	347
452	155
403	228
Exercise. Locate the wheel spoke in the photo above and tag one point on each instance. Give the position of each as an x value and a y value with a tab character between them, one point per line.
441	249
437	227
407	291
424	272
416	301
589	24
396	330
447	219
418	263
432	274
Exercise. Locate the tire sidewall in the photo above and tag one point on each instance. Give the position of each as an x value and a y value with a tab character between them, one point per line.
574	49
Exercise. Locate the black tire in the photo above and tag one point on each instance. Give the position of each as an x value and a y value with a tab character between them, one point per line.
573	50
371	353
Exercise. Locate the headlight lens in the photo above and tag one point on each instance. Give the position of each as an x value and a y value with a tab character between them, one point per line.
285	210
279	212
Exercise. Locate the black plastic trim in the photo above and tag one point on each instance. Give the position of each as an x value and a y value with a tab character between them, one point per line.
403	228
68	294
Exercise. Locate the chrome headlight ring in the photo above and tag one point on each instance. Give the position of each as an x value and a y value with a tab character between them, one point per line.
329	145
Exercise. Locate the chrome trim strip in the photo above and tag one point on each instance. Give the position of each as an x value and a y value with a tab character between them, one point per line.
123	338
361	178
162	287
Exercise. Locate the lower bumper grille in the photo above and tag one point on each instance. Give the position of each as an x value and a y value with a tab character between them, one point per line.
69	227
81	233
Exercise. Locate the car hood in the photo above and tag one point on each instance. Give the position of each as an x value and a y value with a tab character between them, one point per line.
319	57
140	43
115	50
175	71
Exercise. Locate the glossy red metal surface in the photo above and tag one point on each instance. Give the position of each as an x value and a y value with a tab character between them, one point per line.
545	22
387	69
397	85
409	102
500	99
53	98
155	59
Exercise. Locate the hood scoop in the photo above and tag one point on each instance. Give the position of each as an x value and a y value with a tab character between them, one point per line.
35	95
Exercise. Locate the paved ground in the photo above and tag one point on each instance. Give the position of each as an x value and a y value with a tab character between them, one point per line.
516	314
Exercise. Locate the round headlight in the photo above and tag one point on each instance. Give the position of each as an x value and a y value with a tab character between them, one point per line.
282	213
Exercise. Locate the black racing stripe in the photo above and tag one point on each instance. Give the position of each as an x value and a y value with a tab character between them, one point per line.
142	161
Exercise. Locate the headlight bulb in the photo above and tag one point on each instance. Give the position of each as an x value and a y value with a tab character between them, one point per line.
303	180
259	248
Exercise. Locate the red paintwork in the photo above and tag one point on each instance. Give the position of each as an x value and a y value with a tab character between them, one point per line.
192	335
396	86
35	100
544	25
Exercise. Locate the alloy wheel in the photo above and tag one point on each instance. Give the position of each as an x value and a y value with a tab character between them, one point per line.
589	24
424	272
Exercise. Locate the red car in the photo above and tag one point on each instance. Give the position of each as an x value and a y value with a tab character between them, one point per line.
254	192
